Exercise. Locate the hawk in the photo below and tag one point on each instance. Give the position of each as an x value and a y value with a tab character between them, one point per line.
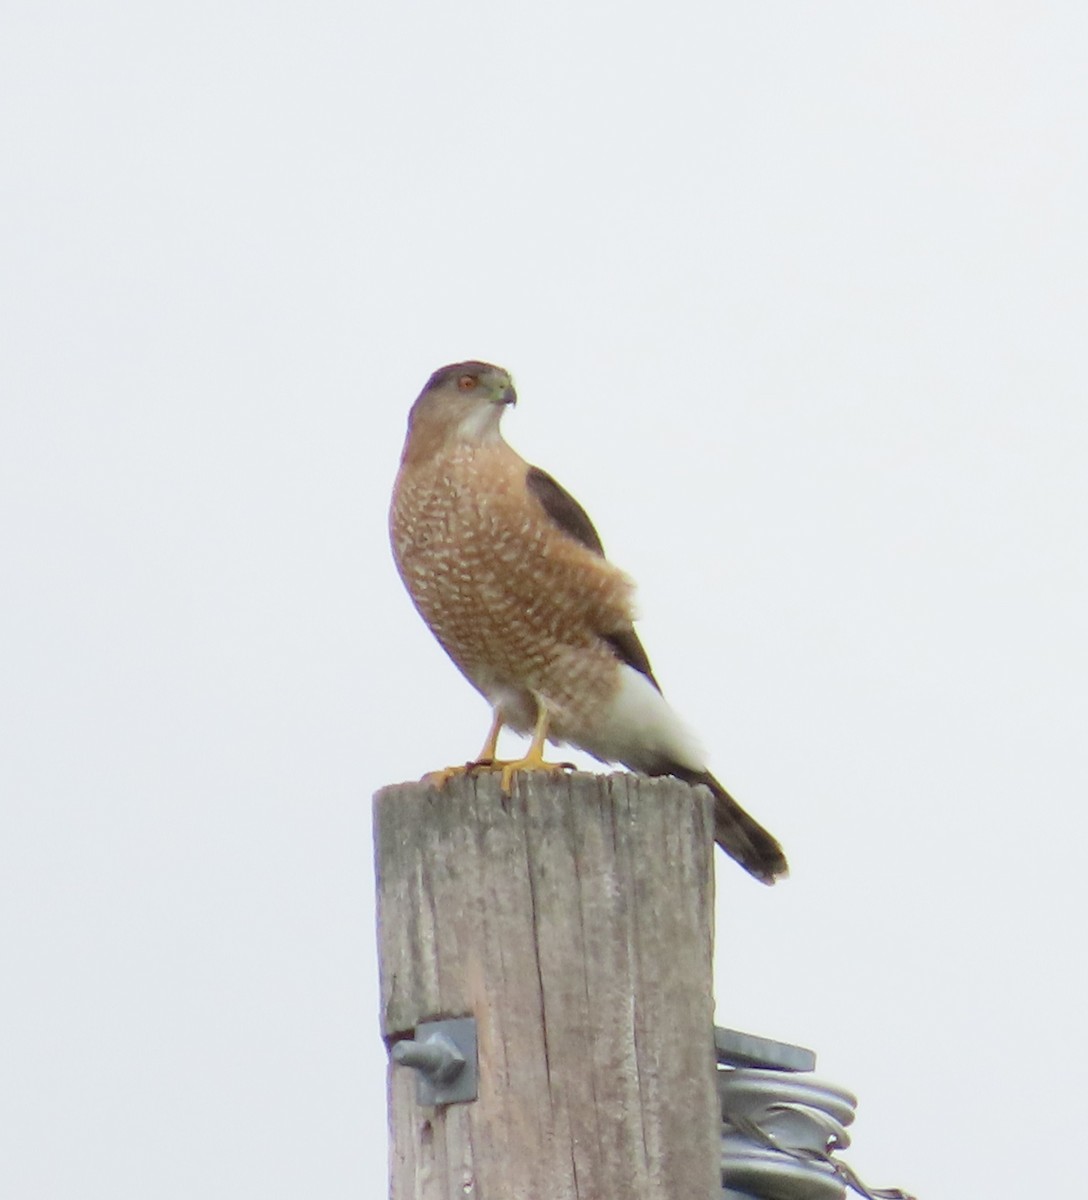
507	569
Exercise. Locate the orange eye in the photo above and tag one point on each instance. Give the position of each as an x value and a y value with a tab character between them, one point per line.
467	382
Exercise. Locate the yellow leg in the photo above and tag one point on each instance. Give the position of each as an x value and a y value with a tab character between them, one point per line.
491	746
533	760
486	757
534	756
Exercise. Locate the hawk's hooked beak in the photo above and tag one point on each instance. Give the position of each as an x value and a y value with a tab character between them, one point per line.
507	396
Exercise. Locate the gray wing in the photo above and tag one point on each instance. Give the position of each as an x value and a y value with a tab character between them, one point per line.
574	521
563	509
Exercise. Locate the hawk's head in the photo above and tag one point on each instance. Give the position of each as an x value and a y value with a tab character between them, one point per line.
463	402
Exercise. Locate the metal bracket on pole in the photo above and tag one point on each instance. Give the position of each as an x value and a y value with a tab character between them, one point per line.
444	1055
736	1049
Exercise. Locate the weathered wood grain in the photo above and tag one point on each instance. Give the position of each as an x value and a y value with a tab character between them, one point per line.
573	920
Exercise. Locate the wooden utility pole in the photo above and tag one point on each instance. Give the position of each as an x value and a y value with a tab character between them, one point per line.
574	922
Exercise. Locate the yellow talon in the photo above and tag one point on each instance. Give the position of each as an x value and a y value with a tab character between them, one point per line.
528	763
439	779
534	757
533	761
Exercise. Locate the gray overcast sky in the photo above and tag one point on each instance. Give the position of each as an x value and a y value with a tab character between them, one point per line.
795	298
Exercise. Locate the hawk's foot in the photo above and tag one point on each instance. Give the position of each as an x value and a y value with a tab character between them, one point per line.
439	779
508	768
531	762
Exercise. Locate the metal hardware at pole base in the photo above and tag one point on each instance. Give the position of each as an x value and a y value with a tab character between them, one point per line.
443	1053
779	1128
738	1049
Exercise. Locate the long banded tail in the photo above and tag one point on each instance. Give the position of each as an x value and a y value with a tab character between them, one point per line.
739	835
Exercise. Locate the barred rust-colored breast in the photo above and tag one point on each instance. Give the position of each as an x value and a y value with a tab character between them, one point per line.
514	601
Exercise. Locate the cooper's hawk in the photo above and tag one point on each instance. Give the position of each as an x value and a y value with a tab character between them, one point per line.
507	570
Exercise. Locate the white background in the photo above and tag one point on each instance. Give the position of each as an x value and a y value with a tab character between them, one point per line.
795	296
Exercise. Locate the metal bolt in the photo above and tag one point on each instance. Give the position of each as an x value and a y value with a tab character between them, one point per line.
443	1053
436	1057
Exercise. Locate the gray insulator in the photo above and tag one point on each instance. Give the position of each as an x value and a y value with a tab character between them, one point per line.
779	1134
